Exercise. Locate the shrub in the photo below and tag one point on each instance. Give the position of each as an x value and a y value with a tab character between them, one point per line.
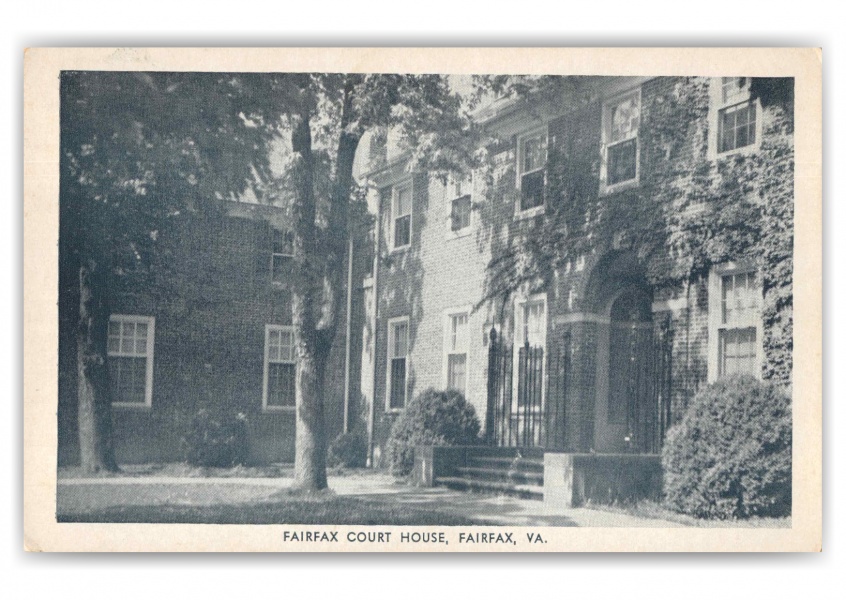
348	450
432	419
216	439
730	455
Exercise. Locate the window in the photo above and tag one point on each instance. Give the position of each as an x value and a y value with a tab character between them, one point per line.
531	319
456	345
621	123
282	260
401	211
531	165
397	363
734	118
735	323
459	191
279	368
530	339
737	115
130	351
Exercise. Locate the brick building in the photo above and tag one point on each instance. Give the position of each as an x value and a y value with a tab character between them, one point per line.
209	328
600	349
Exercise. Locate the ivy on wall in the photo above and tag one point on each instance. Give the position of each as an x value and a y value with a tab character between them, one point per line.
687	213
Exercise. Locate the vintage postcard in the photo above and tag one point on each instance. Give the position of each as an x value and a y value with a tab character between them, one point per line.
414	300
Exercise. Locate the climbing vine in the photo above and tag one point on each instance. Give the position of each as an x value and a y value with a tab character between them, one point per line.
688	211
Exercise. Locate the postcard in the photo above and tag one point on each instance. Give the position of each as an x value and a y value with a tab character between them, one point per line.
422	299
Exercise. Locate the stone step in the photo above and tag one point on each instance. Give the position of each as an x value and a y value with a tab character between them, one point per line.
505	475
507	463
531	492
527	491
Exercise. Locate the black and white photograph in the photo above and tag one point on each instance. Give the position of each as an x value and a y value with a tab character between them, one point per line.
422	310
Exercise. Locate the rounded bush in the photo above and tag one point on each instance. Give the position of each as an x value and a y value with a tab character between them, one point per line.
730	455
433	418
348	450
216	439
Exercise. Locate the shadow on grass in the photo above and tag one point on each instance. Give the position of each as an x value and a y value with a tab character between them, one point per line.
330	510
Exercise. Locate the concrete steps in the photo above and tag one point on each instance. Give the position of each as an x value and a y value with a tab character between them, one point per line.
516	472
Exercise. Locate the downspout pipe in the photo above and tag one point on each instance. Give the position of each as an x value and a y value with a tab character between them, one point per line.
371	418
347	345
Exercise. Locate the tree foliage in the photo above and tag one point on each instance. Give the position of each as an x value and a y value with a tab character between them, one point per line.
137	150
328	117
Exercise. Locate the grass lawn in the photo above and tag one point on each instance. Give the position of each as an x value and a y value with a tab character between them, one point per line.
181	470
330	510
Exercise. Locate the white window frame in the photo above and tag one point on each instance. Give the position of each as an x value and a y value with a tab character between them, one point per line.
149	352
540	132
451	194
715	325
273	256
519	341
716	107
449	314
268	328
607	105
390	355
395	189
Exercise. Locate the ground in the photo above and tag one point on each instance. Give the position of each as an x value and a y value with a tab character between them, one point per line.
182	494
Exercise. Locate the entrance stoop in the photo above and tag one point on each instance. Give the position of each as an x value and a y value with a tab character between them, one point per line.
514	472
561	480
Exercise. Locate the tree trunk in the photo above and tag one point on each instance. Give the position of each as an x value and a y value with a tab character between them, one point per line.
310	452
96	448
310	456
318	288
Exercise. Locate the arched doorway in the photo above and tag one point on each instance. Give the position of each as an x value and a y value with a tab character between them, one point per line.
629	370
625	413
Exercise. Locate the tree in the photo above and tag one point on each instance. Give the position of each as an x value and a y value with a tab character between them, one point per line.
139	148
328	117
136	150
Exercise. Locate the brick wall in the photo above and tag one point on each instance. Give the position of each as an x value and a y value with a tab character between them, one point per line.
211	295
437	273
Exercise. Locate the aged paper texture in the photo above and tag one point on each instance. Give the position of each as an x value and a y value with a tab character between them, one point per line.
611	247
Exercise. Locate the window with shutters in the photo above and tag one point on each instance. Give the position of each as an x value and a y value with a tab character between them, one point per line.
398	341
279	368
130	352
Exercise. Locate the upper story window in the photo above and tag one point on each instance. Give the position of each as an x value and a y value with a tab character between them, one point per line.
401	195
459	197
398	334
282	258
737	115
531	170
735	323
279	368
130	351
734	118
621	125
